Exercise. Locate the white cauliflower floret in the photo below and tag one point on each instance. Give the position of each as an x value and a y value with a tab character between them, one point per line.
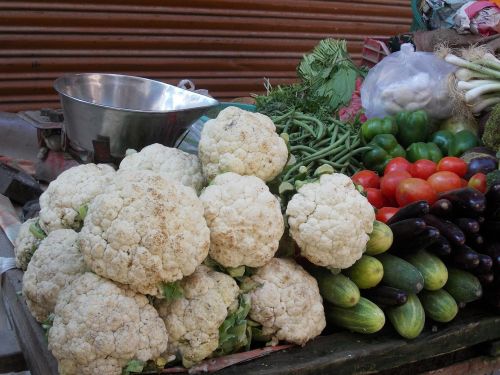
242	142
330	221
25	244
99	326
55	264
244	219
172	163
145	230
287	302
74	188
193	321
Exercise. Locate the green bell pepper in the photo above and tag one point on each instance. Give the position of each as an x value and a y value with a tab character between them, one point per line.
461	142
443	139
422	150
384	147
376	125
412	127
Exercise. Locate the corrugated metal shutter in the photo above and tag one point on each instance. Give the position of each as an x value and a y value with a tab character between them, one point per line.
226	46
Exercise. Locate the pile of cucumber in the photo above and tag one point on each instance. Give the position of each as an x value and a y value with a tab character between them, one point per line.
427	262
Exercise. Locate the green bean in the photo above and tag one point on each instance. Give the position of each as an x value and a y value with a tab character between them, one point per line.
282	117
305	126
320	143
329	149
303	148
321	126
334	135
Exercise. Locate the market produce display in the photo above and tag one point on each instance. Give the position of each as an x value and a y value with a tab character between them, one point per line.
288	221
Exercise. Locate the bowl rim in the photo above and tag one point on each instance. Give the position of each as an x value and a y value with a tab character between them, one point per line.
57	84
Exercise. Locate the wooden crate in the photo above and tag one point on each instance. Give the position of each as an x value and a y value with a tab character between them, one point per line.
339	353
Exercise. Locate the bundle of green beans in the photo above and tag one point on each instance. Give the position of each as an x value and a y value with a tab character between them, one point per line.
318	146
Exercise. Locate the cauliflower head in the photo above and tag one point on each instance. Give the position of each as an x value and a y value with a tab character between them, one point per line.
244	219
172	163
99	326
287	302
330	221
55	264
145	230
193	321
61	203
25	244
242	142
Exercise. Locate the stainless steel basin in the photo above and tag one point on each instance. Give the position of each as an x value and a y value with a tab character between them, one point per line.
132	112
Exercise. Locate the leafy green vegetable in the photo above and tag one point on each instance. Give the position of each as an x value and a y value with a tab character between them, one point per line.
134	366
493	178
233	332
82	211
172	291
37	231
47	324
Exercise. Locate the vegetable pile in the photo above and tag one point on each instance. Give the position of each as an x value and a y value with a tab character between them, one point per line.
287	220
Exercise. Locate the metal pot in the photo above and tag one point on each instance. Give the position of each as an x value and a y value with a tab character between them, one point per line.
131	112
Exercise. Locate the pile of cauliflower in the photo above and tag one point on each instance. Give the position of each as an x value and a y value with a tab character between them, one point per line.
148	264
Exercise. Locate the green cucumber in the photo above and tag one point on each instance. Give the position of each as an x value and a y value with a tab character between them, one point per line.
439	305
380	239
431	267
366	273
336	289
408	319
463	286
365	317
400	274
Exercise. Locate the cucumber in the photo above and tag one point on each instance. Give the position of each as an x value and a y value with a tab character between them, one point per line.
336	289
400	274
439	305
408	319
431	267
380	239
463	286
365	317
366	273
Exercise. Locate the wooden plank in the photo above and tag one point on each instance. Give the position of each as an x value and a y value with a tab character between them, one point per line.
474	366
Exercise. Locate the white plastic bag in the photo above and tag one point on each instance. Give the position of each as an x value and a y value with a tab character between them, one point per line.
408	81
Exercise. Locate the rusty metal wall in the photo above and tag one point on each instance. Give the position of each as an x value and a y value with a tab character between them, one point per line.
226	46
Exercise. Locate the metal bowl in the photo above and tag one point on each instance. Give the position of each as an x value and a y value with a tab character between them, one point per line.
131	112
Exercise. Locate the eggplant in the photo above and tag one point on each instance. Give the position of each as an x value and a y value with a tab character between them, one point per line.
447	229
464	257
493	201
486	278
386	296
428	237
476	241
493	250
484	164
485	265
480	219
467	225
466	201
410	211
406	229
441	247
441	208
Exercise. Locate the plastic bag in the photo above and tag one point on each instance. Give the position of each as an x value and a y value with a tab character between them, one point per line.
408	81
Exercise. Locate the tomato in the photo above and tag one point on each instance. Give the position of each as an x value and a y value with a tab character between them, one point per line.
414	189
444	181
464	182
390	181
385	213
367	179
453	164
397	164
422	168
375	197
478	181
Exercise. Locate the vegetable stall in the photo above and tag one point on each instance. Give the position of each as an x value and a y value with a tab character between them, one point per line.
346	223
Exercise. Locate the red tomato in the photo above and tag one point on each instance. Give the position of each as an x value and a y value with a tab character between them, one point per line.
414	189
367	179
444	181
375	197
422	168
390	181
397	164
478	181
464	182
385	213
453	164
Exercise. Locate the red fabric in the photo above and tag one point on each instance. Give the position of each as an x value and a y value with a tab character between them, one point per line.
349	113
